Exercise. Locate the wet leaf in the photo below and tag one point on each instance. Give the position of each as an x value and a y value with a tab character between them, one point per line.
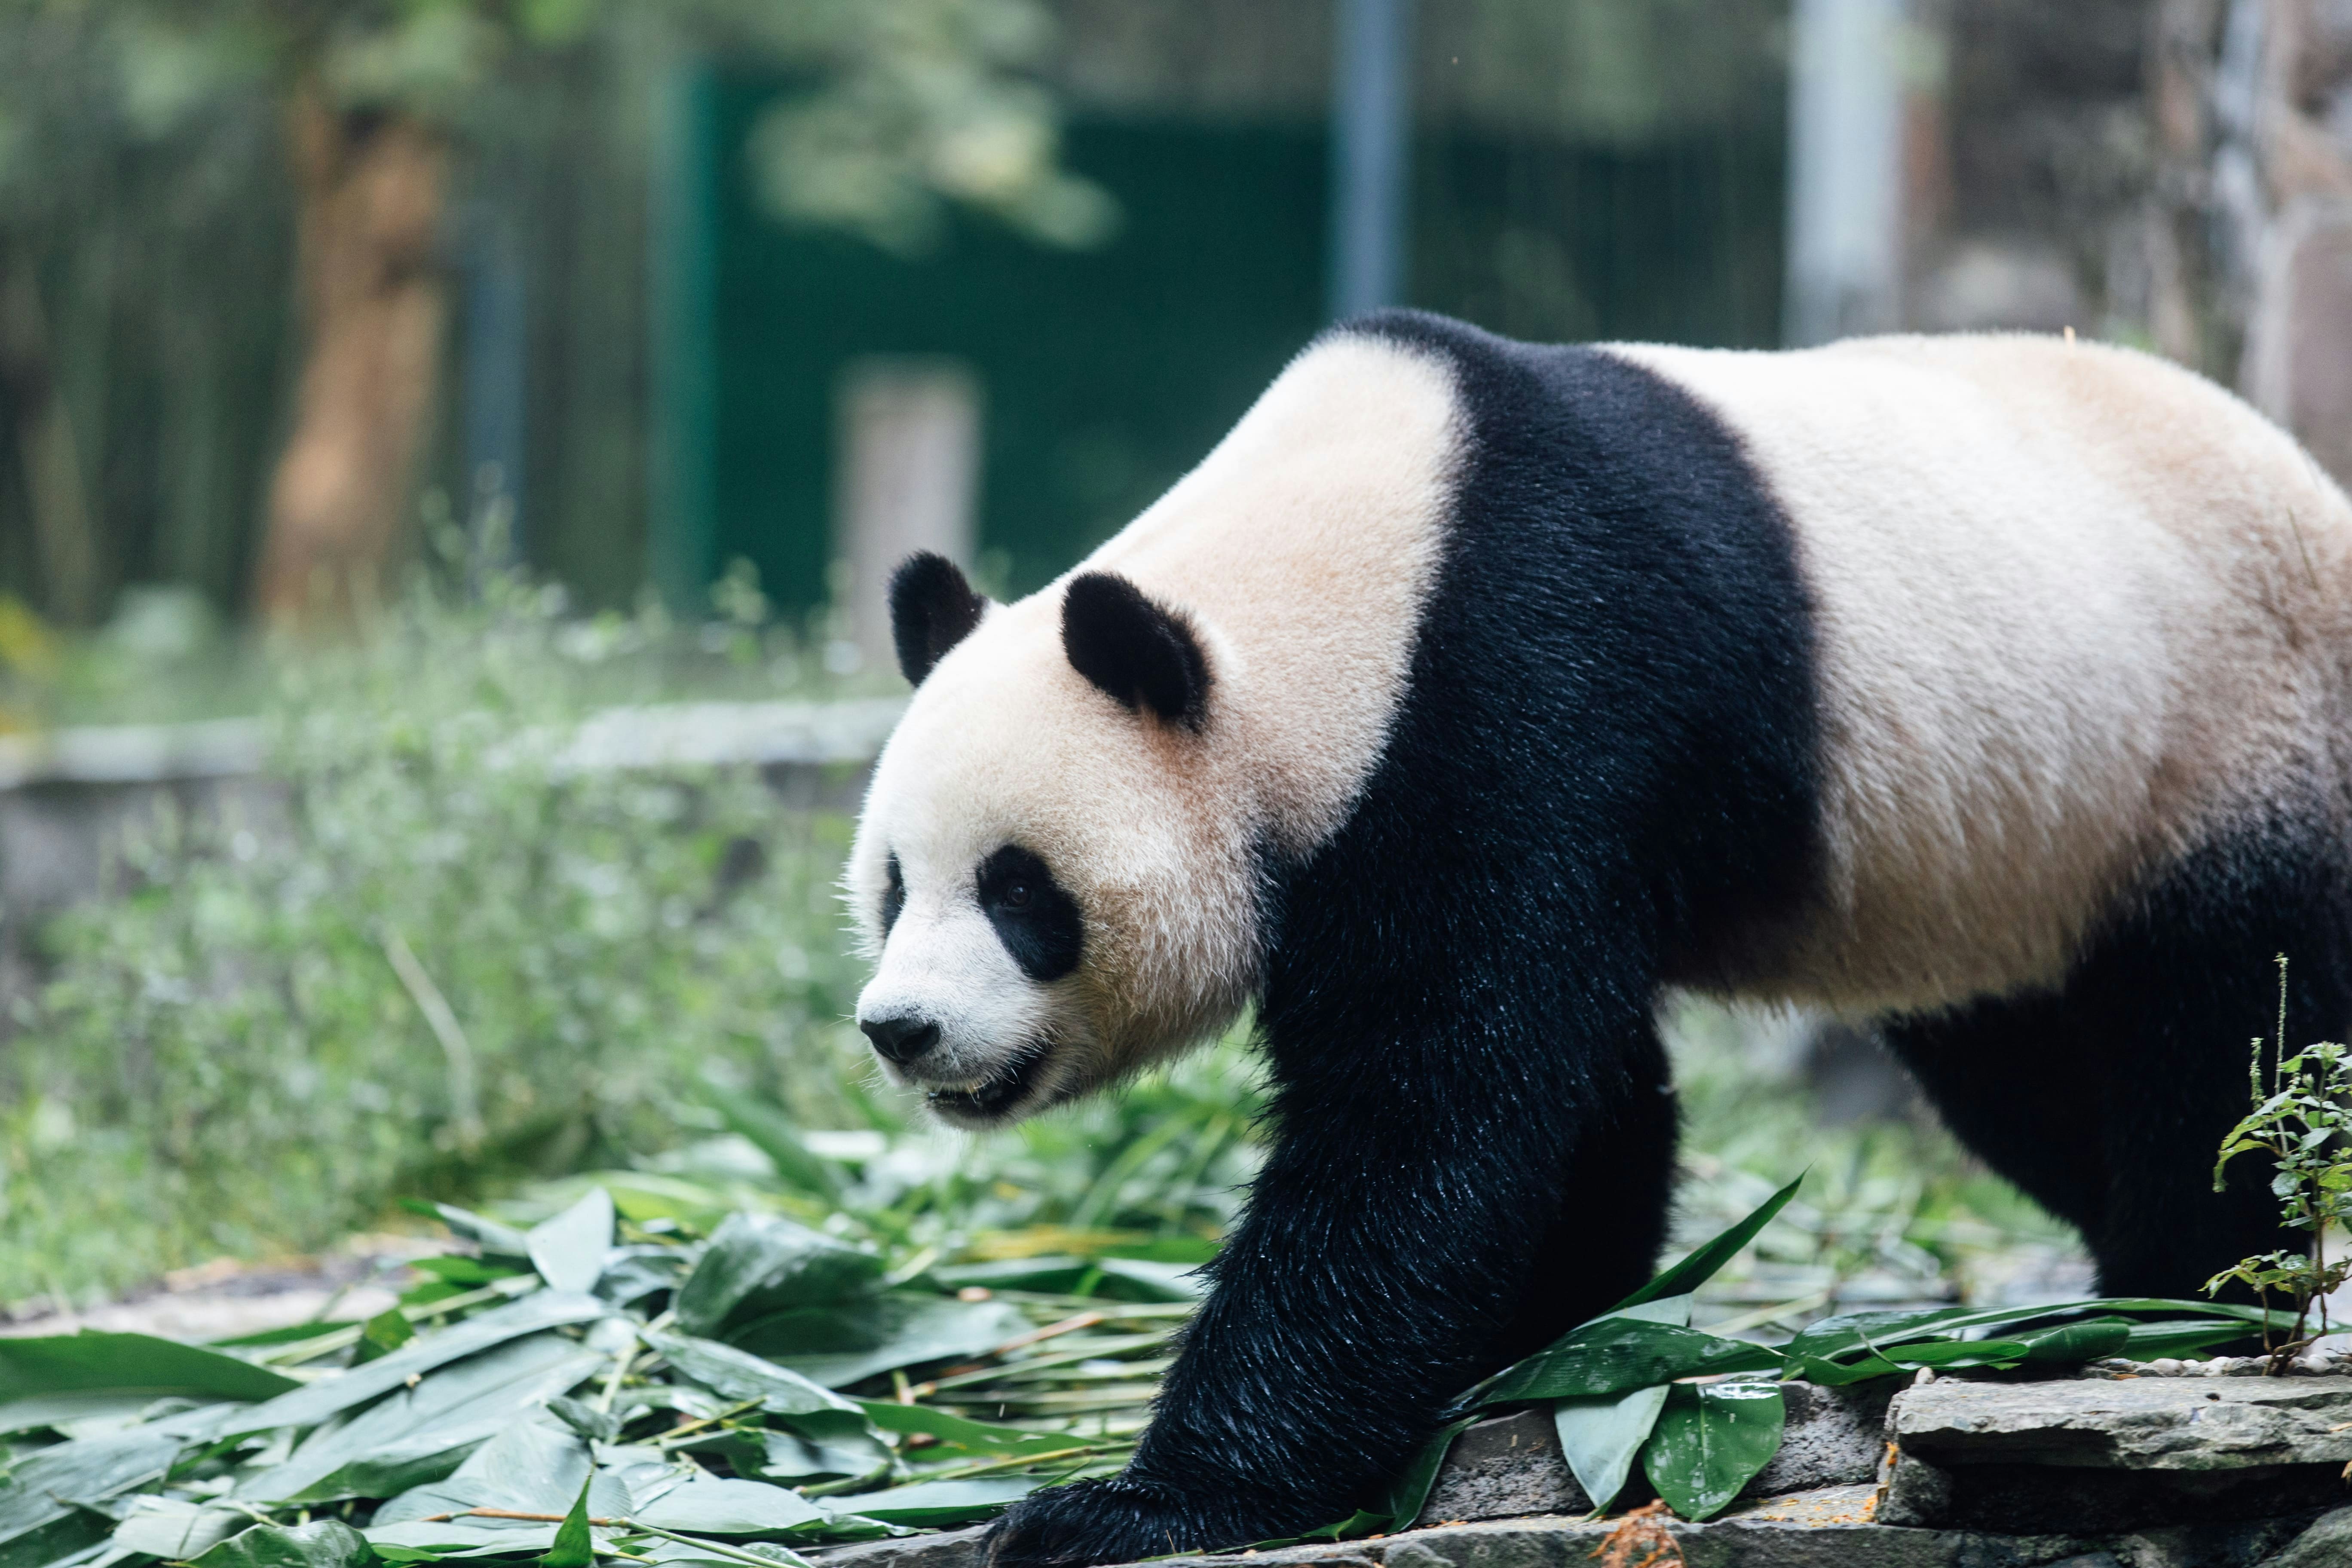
842	1344
529	1467
174	1529
758	1264
738	1374
941	1503
708	1506
1711	1440
310	1405
1617	1356
138	1364
1600	1436
568	1251
1702	1265
572	1547
321	1543
956	1432
419	1435
49	1485
1411	1492
380	1335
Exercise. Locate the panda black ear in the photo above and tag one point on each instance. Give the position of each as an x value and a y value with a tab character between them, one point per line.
932	608
1143	654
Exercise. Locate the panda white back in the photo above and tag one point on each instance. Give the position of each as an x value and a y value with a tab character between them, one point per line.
2078	610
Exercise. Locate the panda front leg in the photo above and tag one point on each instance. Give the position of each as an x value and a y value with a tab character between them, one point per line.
1434	1208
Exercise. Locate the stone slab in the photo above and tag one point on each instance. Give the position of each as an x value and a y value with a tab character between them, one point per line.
2029	1498
1512	1466
2137	1423
1825	1528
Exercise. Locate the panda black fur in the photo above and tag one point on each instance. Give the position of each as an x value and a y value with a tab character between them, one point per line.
1473	693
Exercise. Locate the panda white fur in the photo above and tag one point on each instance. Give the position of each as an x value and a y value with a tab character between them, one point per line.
1470	693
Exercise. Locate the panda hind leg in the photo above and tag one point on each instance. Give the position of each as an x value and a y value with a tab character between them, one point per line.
2011	1079
2107	1103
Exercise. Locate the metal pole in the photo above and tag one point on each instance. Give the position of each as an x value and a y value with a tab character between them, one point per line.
1371	122
1846	169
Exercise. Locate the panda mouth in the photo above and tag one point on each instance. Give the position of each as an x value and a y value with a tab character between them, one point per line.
994	1096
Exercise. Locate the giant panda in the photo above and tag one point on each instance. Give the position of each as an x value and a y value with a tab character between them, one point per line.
1470	695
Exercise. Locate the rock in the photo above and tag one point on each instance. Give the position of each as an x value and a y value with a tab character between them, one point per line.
2101	1455
1505	1468
2327	1544
1512	1466
948	1548
2189	1424
2029	1498
1826	1528
1834	1437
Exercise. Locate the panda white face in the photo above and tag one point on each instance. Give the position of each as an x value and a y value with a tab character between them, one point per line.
968	1002
1055	884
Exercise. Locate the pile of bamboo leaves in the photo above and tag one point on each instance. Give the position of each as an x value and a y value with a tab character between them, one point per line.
628	1387
592	1388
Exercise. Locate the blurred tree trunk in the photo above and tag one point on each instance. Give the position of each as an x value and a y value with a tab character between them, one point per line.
46	444
369	188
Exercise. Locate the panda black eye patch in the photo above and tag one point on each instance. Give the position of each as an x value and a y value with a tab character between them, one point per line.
894	897
1036	920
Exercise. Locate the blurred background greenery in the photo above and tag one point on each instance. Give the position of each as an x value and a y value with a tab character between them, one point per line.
392	388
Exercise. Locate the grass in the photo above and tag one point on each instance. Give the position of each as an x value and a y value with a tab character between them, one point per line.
437	963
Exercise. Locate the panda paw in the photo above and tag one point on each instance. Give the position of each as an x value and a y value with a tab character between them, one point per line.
1115	1520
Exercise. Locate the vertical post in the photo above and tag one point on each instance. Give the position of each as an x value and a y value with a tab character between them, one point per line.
682	521
907	456
1371	122
497	374
1845	170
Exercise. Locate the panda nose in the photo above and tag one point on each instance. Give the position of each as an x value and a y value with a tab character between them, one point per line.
902	1039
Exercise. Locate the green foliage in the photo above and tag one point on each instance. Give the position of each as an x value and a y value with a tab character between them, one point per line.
441	958
527	1421
2302	1109
911	103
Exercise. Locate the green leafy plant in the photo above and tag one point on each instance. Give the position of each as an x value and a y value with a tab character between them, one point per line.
431	956
2301	1109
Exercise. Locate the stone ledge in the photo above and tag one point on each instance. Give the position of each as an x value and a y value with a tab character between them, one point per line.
1512	1466
1825	1528
2159	1423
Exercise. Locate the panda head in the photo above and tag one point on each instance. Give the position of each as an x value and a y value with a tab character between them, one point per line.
1054	873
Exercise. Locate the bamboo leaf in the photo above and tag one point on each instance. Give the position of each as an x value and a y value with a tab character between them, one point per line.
420	1435
1616	1355
738	1374
138	1364
844	1343
764	1264
49	1485
1411	1493
1701	1266
957	1432
573	1548
940	1504
568	1251
707	1505
321	1543
1710	1442
1601	1437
